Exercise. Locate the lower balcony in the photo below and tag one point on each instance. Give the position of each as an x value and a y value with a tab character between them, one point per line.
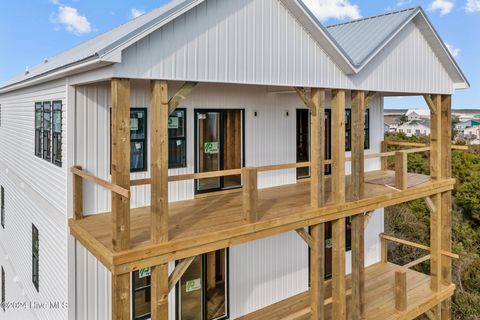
380	297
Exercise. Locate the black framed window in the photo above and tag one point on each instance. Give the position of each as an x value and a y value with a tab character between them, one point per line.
177	139
348	129
47	128
141	293
57	133
138	139
2	206
35	258
3	289
38	129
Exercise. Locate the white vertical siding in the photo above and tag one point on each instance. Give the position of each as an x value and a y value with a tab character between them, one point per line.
34	193
270	138
260	42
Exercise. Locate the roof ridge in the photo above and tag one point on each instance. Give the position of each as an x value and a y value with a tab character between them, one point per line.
372	17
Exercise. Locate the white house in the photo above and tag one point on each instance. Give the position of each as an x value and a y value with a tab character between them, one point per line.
417	114
246	56
415	128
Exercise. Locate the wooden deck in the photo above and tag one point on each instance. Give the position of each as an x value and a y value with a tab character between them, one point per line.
380	297
210	223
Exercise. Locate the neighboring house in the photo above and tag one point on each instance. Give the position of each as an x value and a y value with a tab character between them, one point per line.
461	126
466	114
417	114
122	161
472	135
392	123
415	128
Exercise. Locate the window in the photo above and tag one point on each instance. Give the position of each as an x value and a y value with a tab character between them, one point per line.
141	293
177	139
2	206
57	133
138	139
38	129
409	131
348	129
47	127
3	289
48	131
35	258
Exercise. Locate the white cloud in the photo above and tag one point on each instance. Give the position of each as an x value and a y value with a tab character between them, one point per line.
473	6
445	6
454	51
71	19
135	13
337	9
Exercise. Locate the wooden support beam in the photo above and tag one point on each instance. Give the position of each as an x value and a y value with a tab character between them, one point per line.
338	146
338	270
384	160
317	272
368	217
178	272
358	267
305	236
307	100
436	137
401	170
250	194
357	178
317	150
417	262
211	270
121	296
435	243
181	95
121	162
446	200
77	195
401	290
159	161
435	313
417	245
430	204
431	104
159	292
384	250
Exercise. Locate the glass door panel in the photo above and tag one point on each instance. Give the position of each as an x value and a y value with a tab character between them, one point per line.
216	284
208	153
232	146
191	291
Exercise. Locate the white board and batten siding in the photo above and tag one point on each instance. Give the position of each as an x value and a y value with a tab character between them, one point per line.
270	138
261	42
35	192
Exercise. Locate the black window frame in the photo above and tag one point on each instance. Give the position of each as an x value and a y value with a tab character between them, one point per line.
47	134
57	108
35	258
2	206
3	289
38	129
174	139
147	288
348	129
143	141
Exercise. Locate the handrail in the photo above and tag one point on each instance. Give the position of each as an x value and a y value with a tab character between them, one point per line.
418	144
417	245
416	262
103	183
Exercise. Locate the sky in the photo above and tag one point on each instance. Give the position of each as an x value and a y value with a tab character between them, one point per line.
33	30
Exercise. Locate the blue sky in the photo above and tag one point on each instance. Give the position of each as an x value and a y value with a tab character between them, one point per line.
33	30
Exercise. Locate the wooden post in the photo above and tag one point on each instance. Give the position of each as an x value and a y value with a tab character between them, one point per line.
121	162
338	269
384	250
159	110
384	160
446	200
338	196
435	242
401	290
358	144
121	205
77	195
401	173
338	146
436	137
250	194
317	147
358	221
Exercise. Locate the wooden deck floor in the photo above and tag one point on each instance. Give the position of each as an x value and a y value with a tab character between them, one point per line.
379	294
216	222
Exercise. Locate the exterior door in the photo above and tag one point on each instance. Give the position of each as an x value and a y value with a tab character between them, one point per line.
202	290
219	146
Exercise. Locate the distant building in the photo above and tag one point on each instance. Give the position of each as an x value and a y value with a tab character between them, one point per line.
415	128
472	135
461	126
417	114
391	123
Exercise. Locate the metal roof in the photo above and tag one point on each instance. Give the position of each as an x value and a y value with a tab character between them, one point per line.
360	38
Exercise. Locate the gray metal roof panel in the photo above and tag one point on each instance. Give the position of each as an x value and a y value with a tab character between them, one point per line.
361	38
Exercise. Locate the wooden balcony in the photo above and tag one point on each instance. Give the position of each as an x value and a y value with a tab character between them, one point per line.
380	297
217	221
